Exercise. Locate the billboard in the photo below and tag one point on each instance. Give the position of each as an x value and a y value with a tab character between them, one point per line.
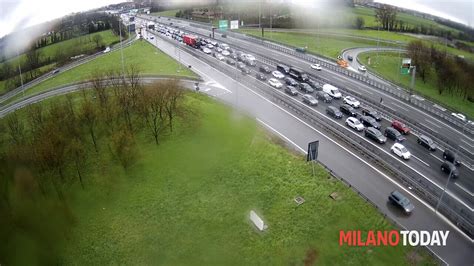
234	24
223	24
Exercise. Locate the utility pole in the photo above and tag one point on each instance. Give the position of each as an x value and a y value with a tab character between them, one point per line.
19	69
399	60
121	45
412	85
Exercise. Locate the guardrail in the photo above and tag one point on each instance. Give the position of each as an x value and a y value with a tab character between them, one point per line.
450	207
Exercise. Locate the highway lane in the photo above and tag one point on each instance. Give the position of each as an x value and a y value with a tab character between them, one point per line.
369	180
429	168
424	120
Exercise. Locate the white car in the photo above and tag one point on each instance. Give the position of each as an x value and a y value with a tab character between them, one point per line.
459	116
362	68
351	101
354	123
316	66
225	53
107	50
275	83
207	50
250	57
277	74
210	46
220	57
401	151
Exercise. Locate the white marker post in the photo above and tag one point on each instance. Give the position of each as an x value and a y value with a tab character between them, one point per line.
257	221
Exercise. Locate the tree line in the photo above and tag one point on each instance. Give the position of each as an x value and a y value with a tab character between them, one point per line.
453	75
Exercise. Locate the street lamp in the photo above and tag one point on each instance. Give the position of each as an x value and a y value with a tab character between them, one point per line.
451	171
121	46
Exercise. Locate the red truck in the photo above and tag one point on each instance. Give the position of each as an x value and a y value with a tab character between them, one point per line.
190	40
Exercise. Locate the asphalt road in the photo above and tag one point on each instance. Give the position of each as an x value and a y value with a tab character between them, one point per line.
366	178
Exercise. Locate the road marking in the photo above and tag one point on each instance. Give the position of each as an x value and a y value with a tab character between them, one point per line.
434	156
429	128
467	143
465	189
396	105
420	160
462	147
432	123
281	135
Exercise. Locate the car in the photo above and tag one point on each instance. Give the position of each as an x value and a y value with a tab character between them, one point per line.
369	121
350	58
230	61
306	88
107	49
362	68
225	53
354	123
245	70
321	95
393	134
426	142
214	43
283	68
220	57
399	200
249	57
240	65
372	113
224	46
400	151
451	157
260	76
277	74
348	110
332	91
400	127
275	83
207	50
459	116
264	69
351	101
291	90
315	85
334	112
234	56
449	168
316	66
56	71
249	62
152	37
290	81
309	99
375	134
210	46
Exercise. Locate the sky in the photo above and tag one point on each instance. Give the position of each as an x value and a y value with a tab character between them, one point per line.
20	13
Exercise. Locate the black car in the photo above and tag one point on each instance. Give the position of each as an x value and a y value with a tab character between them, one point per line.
348	110
426	142
260	76
375	134
449	168
371	112
283	68
350	58
451	157
233	56
265	69
334	112
315	85
290	81
393	134
369	122
240	65
321	95
245	70
399	200
291	90
306	88
230	61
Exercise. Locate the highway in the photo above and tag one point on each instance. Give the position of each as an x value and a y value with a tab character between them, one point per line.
424	163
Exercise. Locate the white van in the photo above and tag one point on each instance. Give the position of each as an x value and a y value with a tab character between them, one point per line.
332	91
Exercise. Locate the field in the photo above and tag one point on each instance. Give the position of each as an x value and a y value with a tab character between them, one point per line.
187	200
148	59
387	67
166	13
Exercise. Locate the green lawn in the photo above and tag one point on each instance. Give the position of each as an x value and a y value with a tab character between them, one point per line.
388	66
150	61
186	202
166	13
329	46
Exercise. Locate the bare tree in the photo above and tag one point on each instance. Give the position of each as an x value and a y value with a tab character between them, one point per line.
152	109
33	59
173	97
88	117
386	16
16	128
78	155
123	145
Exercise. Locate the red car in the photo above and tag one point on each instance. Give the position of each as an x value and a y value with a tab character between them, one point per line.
400	127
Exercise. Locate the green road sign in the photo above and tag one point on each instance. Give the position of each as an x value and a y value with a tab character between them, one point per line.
405	68
223	24
404	71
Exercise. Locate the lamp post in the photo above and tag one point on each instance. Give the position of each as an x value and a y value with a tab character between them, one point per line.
121	45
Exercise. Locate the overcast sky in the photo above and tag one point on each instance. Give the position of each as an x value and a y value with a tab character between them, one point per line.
20	13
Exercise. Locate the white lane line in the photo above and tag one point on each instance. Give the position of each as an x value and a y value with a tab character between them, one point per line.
441	216
462	147
396	105
281	135
429	128
420	160
467	143
436	157
465	189
432	123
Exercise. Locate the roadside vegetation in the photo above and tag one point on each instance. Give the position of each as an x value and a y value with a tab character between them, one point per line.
151	61
132	174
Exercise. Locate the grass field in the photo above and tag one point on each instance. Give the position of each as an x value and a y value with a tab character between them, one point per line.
166	13
387	67
148	59
186	202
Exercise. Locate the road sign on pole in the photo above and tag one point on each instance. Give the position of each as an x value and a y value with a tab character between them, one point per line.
234	24
405	68
312	151
223	24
